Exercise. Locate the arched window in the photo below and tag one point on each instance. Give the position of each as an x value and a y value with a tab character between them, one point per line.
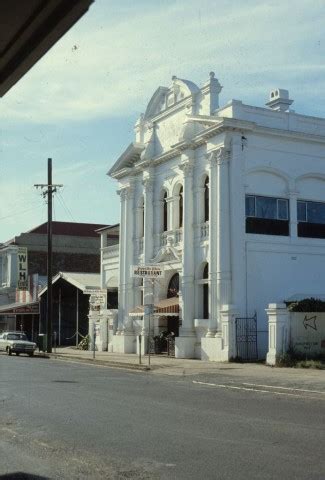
165	215
180	207
206	199
205	298
173	286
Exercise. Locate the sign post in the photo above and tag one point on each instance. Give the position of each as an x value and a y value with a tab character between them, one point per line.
151	272
94	340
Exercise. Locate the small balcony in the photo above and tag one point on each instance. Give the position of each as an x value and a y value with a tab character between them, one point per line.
204	231
171	237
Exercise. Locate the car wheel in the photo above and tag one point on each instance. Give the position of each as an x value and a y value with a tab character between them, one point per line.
31	354
9	351
17	353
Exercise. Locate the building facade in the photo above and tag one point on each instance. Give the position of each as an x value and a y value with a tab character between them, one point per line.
230	202
75	249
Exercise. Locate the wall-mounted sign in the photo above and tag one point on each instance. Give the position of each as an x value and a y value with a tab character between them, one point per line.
22	281
146	271
29	308
97	299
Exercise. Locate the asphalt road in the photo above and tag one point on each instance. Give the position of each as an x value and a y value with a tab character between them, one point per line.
63	420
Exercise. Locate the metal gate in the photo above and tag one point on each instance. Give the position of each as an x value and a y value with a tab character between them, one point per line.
162	345
246	338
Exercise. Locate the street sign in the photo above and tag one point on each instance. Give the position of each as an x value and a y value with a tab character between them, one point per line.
22	281
146	271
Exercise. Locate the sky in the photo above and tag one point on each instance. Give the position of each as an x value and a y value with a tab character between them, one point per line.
79	103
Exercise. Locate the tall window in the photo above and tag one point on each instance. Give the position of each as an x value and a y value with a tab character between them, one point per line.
165	215
206	291
206	199
311	219
267	215
180	207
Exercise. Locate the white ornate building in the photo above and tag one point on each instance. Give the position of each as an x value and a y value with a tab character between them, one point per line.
231	202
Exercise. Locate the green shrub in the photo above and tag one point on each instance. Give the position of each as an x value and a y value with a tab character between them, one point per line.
307	305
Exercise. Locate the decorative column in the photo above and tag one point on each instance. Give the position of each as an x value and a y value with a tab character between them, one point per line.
188	253
212	259
186	341
212	345
121	289
223	233
199	211
293	195
171	201
128	258
147	248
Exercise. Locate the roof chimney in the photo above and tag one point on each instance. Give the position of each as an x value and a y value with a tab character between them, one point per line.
279	100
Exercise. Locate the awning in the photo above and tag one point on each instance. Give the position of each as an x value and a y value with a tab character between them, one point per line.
168	307
137	311
20	309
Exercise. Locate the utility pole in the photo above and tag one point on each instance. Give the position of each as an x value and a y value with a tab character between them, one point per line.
50	188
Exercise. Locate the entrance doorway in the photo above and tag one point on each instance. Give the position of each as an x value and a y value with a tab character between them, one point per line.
173	291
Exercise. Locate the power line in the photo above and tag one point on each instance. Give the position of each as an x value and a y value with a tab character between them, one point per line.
22	211
65	206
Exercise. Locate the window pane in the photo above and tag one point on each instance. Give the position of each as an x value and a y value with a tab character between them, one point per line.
283	209
301	211
250	206
315	212
266	207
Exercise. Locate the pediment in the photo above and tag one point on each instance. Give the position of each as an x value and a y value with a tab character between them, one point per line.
130	156
164	97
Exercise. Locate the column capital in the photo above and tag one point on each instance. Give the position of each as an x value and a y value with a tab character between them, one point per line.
218	156
126	192
147	185
293	193
186	168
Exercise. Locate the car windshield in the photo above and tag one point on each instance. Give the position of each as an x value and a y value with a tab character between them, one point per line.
16	336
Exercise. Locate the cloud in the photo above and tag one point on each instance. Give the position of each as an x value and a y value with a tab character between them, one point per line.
111	62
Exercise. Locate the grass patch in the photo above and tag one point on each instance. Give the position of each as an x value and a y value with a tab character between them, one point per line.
294	360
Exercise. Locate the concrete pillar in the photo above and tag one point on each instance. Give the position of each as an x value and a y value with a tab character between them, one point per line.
128	259
293	232
228	315
278	319
121	288
212	258
219	256
185	343
147	249
188	258
223	232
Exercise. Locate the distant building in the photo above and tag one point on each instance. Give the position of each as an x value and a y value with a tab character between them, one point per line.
230	202
76	248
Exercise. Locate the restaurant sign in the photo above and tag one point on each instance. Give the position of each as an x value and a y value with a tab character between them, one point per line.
146	271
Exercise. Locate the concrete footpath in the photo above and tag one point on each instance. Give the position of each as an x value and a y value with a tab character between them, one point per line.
242	373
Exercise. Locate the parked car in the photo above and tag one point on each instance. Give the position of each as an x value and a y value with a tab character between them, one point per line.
16	342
